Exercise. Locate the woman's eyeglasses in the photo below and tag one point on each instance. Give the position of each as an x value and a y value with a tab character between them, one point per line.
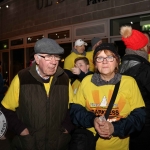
108	58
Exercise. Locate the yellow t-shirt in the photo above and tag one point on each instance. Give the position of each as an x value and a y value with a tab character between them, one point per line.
89	55
96	99
11	99
75	86
69	61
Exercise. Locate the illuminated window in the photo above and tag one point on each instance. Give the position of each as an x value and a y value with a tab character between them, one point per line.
137	22
4	44
59	35
33	39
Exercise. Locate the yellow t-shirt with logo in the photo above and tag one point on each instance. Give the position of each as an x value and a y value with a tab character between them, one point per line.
11	99
96	99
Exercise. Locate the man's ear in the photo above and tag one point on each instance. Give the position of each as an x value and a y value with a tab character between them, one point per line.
36	57
88	66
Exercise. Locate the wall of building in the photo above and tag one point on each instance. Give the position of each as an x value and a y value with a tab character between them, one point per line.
23	16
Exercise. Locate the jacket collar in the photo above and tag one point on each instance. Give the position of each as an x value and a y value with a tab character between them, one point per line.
129	61
34	73
132	57
76	52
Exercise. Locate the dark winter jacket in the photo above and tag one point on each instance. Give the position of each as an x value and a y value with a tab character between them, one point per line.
43	115
139	68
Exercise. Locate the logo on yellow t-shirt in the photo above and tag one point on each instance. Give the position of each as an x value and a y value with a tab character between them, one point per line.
99	106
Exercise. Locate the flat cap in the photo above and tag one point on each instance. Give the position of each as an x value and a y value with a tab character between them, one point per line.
47	46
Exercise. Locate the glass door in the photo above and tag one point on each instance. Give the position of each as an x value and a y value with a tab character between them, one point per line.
29	56
5	67
120	46
17	61
67	50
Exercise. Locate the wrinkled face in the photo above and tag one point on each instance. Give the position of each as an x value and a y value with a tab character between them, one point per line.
82	65
46	68
80	49
106	67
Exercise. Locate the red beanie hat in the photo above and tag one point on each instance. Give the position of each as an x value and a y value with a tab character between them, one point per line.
133	39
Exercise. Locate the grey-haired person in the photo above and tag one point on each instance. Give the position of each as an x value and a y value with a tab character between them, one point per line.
36	103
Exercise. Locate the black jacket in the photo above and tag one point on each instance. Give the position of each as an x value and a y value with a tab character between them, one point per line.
139	68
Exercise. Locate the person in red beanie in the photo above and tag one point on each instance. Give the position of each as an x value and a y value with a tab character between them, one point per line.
148	36
135	63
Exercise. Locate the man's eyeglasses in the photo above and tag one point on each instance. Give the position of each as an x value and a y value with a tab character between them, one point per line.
108	58
50	57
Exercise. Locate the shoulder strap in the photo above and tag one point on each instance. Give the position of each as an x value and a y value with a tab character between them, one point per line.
112	100
110	105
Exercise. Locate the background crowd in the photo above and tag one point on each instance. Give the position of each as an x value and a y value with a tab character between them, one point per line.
45	103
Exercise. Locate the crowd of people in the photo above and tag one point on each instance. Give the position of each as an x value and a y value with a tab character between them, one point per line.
45	104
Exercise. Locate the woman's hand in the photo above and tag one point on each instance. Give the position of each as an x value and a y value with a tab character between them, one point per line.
104	128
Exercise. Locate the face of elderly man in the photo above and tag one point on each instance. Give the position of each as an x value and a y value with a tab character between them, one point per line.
47	64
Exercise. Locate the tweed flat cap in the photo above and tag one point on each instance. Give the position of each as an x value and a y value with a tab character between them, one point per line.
48	46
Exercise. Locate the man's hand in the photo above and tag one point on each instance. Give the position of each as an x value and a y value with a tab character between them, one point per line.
65	131
104	128
24	132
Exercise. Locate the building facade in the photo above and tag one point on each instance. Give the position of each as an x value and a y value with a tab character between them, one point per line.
23	22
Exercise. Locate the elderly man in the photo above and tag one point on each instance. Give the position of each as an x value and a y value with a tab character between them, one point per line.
36	104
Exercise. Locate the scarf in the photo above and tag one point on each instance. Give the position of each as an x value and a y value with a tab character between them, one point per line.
137	52
98	81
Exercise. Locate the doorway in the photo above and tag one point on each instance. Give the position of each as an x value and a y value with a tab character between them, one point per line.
17	61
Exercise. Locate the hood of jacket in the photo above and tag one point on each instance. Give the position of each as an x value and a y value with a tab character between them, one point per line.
34	73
